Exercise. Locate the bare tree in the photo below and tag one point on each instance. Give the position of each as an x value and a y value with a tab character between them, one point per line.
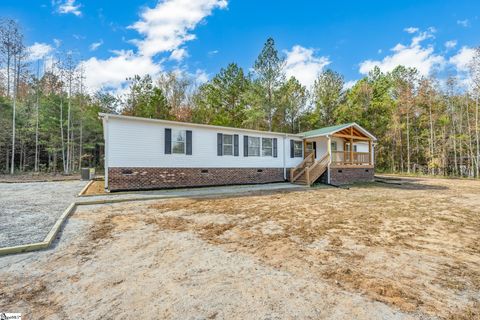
475	75
10	36
13	45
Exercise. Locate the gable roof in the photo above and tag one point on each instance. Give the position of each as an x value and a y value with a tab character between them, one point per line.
333	129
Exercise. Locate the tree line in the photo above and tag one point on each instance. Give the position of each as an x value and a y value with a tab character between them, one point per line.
49	121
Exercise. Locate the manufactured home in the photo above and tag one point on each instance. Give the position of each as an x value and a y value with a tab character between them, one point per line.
143	153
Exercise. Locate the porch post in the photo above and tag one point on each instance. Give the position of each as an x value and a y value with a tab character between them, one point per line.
370	152
329	150
351	145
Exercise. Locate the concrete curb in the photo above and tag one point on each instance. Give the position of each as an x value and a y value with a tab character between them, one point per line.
61	220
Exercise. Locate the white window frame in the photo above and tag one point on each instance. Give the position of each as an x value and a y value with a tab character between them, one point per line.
227	144
250	154
183	134
295	143
267	148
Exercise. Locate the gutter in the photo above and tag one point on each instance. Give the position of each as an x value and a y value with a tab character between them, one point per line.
284	160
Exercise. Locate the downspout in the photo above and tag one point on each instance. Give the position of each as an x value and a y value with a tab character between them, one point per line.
284	160
329	148
105	160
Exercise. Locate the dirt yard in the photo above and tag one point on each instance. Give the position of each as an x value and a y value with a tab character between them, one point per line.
376	251
97	187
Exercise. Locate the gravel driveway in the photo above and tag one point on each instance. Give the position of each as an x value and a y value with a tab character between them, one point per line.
29	210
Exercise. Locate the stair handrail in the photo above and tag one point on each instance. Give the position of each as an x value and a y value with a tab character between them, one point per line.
323	162
302	166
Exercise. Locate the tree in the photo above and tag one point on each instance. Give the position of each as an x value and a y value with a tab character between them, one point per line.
12	47
222	101
327	96
292	100
475	76
175	87
270	75
404	80
146	100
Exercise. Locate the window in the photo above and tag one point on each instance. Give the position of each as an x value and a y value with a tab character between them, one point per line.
297	149
333	145
253	146
228	145
347	147
267	147
178	141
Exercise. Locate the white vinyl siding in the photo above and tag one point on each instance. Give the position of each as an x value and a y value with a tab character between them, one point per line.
138	143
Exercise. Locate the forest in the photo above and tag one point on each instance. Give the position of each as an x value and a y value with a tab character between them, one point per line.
49	120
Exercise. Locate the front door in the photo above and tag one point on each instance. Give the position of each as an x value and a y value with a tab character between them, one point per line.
310	147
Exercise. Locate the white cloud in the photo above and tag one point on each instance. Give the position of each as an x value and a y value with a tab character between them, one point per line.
38	51
178	54
68	6
349	84
95	45
411	29
57	42
212	53
302	64
451	44
167	26
200	77
462	59
464	23
112	72
414	55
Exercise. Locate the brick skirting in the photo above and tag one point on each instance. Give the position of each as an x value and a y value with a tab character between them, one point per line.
339	176
159	178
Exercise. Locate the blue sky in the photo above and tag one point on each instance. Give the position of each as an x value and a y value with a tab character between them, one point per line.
117	39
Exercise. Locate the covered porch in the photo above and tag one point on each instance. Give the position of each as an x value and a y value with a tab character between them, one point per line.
347	148
347	145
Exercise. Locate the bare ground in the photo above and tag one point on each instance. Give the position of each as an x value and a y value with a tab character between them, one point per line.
375	251
97	187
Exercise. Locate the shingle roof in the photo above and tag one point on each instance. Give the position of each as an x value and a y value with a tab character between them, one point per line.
326	130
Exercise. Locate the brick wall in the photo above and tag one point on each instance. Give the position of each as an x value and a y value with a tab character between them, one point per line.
340	176
158	178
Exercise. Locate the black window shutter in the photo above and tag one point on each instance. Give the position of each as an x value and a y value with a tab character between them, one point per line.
168	141
315	148
235	145
189	142
245	146
292	148
275	147
219	144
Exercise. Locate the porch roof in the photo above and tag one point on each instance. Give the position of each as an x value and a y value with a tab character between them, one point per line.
334	129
